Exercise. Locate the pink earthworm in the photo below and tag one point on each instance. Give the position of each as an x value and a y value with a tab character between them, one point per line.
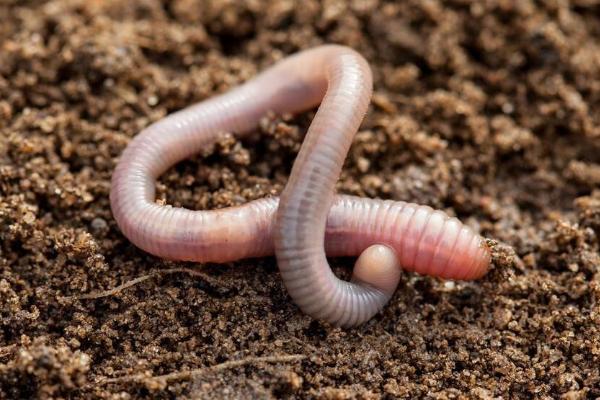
309	221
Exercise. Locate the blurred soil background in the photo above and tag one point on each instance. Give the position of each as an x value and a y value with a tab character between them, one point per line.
487	109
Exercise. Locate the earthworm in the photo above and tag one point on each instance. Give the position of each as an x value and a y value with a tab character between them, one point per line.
309	220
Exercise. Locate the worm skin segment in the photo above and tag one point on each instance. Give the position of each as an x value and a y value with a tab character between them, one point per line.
378	266
310	221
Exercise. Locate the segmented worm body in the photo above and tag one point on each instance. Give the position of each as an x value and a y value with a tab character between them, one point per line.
309	221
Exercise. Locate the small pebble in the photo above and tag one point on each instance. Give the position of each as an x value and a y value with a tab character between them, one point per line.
99	225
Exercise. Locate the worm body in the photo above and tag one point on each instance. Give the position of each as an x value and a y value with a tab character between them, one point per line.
309	221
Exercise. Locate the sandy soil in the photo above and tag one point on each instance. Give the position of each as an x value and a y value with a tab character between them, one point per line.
489	110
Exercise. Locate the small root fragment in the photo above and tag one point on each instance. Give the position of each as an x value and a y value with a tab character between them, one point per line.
135	281
186	375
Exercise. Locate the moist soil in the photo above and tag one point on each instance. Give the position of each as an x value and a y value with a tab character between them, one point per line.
488	110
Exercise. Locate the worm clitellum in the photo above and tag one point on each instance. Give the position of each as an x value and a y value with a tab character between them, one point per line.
309	220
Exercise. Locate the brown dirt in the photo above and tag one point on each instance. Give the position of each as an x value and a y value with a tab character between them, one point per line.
490	110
